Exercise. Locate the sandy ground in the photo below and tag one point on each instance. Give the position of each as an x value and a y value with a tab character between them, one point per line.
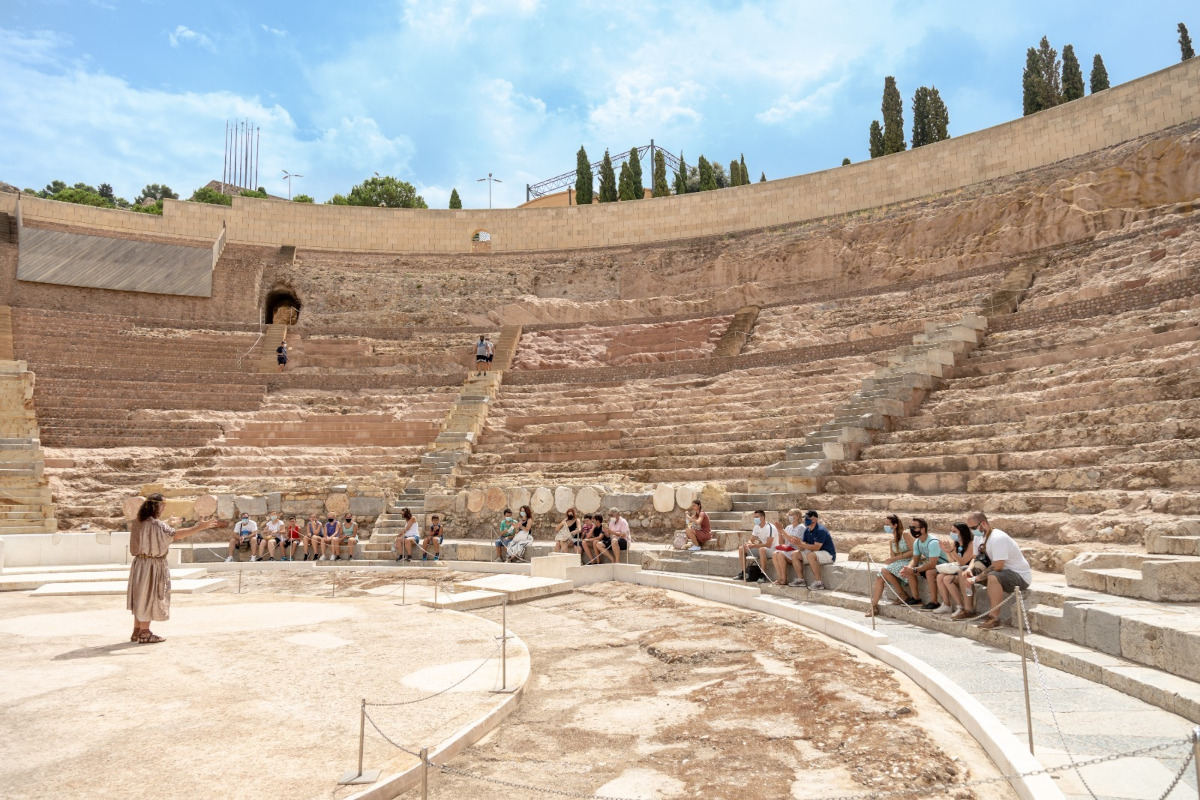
636	693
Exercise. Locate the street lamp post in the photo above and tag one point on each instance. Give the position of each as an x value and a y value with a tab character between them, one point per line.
289	176
490	181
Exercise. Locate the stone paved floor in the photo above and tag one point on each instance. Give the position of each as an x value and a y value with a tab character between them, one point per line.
1096	720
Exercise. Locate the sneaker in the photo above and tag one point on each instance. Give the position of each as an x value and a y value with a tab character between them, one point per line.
695	548
425	558
350	557
399	558
991	623
943	609
799	583
741	576
228	559
272	558
912	601
964	614
253	558
930	607
438	557
818	585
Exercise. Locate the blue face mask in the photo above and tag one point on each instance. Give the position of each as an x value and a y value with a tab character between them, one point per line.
888	529
758	522
954	536
976	532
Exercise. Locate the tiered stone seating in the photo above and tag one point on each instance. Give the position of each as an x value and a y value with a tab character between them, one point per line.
428	353
684	428
614	345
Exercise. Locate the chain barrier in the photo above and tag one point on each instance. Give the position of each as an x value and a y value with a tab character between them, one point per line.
457	683
888	587
1187	762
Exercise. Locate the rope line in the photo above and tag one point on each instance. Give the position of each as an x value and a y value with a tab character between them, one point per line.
459	682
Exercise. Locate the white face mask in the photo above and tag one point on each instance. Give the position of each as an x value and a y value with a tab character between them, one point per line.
613	520
758	522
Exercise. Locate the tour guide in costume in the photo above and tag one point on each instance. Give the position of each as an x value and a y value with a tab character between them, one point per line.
149	596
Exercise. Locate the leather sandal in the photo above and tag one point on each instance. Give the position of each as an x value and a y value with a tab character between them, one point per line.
147	637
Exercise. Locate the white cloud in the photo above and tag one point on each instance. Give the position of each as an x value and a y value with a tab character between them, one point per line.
818	103
273	31
183	33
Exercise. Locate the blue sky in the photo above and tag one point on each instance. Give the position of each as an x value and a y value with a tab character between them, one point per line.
440	93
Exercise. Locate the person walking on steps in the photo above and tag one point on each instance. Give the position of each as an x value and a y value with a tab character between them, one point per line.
281	355
149	592
481	355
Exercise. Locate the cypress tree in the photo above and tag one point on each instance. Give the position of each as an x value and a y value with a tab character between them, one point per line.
1099	79
745	172
845	162
1072	75
1051	72
735	173
583	178
660	175
1185	43
681	176
762	178
708	179
625	189
893	118
920	109
635	174
455	202
876	139
939	117
608	181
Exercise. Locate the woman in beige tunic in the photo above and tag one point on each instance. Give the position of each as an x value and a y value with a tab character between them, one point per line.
149	595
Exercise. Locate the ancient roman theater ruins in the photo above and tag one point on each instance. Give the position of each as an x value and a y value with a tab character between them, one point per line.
1005	321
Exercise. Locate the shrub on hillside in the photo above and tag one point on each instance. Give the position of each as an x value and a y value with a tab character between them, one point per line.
206	194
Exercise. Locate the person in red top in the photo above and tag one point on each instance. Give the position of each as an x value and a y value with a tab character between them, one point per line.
697	526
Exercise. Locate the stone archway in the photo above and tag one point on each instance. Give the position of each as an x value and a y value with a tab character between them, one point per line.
281	307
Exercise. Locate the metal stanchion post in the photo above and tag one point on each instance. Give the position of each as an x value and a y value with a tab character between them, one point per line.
871	589
403	590
436	585
424	773
1196	754
240	571
504	647
1024	667
359	776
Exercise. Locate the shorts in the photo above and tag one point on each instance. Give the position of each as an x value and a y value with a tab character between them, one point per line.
280	359
621	542
702	537
489	359
1009	580
481	359
823	556
502	542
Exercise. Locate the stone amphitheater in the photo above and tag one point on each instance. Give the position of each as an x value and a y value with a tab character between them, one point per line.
1007	321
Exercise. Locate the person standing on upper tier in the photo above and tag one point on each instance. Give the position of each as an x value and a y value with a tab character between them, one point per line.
281	357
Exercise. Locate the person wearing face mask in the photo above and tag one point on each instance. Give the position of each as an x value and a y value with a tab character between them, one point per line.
410	539
508	529
947	576
762	538
591	538
272	536
432	543
347	536
1007	571
927	555
523	536
244	535
900	547
312	537
566	533
616	535
815	548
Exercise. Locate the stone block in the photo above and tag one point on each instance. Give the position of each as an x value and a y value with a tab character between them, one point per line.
254	506
685	494
542	501
131	506
564	498
439	503
495	499
588	499
1101	628
226	507
369	506
180	507
301	508
475	500
715	497
274	501
625	501
519	496
664	498
337	503
1171	579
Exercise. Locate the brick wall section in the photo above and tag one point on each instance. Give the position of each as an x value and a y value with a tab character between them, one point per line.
1152	103
1118	302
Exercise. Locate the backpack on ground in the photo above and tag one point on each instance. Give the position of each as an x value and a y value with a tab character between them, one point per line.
754	572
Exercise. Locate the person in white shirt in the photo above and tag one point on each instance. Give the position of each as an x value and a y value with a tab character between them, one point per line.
762	538
1007	571
244	534
616	536
272	536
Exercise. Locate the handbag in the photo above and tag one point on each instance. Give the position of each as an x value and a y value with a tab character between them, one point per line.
949	569
681	541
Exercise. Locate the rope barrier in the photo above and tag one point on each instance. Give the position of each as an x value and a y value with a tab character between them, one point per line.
459	682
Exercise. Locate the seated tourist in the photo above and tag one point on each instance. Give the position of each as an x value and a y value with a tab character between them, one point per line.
900	550
312	537
523	536
508	529
432	543
591	538
948	573
616	536
347	536
927	554
292	536
245	534
762	539
1007	569
817	544
787	550
329	532
566	533
697	526
410	538
272	536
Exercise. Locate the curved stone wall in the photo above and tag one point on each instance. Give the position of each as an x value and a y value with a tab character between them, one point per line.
1157	101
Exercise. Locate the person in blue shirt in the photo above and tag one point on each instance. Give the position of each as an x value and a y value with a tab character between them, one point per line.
927	554
817	547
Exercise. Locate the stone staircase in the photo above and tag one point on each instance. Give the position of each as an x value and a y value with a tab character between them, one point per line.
1169	571
506	347
272	335
895	390
26	504
737	334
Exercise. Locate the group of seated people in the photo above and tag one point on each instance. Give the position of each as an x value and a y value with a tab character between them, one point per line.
410	539
593	537
804	540
322	541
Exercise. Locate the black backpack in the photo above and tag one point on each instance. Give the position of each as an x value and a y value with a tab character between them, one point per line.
754	572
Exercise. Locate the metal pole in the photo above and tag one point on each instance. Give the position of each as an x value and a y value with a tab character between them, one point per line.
1024	667
871	599
257	153
504	644
403	590
362	732
225	162
1196	753
424	773
436	584
240	571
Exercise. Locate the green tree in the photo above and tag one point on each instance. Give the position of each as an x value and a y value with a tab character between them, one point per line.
608	180
845	162
875	139
719	176
1072	75
735	173
303	198
893	118
708	179
762	178
337	200
385	191
259	193
920	123
156	191
584	179
625	188
635	174
81	196
1099	79
661	189
455	200
681	177
206	194
1185	43
153	208
53	188
745	172
1041	84
105	190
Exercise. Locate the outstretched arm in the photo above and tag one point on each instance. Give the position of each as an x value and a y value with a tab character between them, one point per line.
183	533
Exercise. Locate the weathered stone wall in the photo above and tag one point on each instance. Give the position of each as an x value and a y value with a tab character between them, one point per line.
1157	101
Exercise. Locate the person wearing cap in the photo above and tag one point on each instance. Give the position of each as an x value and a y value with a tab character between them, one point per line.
244	534
817	547
616	535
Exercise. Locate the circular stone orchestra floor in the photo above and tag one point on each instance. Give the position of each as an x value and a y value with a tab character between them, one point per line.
634	692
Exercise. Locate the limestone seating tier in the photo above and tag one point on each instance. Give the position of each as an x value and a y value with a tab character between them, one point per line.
615	344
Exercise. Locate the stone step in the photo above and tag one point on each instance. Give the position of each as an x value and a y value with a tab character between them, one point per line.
190	586
1160	578
518	588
